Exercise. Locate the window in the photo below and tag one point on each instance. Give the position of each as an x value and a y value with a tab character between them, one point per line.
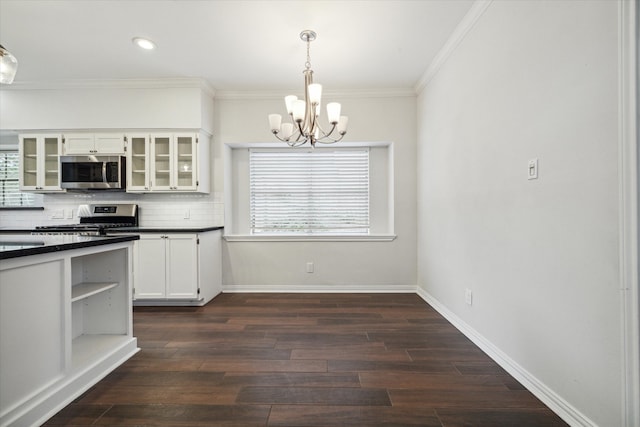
302	192
10	195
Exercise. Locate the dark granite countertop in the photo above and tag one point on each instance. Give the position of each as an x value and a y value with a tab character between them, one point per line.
165	229
14	245
138	229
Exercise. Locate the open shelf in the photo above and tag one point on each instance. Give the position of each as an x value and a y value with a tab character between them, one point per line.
85	290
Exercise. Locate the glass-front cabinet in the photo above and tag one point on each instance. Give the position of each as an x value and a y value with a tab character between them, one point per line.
40	162
138	162
174	166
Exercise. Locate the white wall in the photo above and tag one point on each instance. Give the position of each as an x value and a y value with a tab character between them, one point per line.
532	79
145	104
339	266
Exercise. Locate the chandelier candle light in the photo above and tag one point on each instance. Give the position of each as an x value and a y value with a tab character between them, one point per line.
8	66
304	126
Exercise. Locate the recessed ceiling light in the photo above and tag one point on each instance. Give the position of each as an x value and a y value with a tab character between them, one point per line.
143	43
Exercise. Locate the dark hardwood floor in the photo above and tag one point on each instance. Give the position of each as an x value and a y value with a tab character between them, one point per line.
305	360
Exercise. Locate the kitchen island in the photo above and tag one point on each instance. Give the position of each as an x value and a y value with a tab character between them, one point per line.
65	319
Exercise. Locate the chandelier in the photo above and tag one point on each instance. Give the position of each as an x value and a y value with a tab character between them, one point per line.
304	126
8	66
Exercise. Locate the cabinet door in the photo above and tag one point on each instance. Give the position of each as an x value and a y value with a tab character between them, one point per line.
51	163
161	147
109	143
138	163
79	143
182	266
149	276
184	162
29	162
40	163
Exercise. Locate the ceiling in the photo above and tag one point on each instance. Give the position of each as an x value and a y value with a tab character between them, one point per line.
235	45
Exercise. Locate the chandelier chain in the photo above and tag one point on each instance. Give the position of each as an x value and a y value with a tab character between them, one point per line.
308	63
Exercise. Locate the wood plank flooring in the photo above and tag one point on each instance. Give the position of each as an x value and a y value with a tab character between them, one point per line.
305	360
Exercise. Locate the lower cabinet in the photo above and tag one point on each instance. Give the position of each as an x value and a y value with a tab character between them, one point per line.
177	268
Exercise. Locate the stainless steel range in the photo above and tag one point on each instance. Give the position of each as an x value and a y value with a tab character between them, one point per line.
95	220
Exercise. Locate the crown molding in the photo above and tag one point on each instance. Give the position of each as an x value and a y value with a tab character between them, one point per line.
113	84
349	93
201	84
466	24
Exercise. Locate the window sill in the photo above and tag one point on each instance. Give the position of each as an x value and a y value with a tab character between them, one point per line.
327	238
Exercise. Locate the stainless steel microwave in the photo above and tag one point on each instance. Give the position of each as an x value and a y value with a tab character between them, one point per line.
93	172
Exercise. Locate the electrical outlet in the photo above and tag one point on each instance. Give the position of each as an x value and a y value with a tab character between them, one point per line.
468	296
187	214
310	267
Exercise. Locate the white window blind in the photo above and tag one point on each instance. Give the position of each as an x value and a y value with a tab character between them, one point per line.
301	192
10	195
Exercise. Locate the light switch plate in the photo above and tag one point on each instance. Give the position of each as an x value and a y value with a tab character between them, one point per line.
532	171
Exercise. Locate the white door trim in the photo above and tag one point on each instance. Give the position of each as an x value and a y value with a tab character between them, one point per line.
628	207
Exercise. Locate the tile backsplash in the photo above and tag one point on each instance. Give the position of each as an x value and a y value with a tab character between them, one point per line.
156	210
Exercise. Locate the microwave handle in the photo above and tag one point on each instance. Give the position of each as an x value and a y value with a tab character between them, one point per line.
104	172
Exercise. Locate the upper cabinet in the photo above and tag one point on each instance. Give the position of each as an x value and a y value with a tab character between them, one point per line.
40	162
155	162
138	163
93	143
174	166
168	162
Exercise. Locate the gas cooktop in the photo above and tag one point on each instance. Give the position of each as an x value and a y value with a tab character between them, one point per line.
95	219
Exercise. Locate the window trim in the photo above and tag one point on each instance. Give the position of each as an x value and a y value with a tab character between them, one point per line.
232	234
310	238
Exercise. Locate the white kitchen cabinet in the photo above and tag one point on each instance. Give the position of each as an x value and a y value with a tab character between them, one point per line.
94	143
39	168
174	166
138	163
166	266
179	163
168	162
182	268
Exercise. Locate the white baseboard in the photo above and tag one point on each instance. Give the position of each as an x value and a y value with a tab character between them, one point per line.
550	398
321	288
